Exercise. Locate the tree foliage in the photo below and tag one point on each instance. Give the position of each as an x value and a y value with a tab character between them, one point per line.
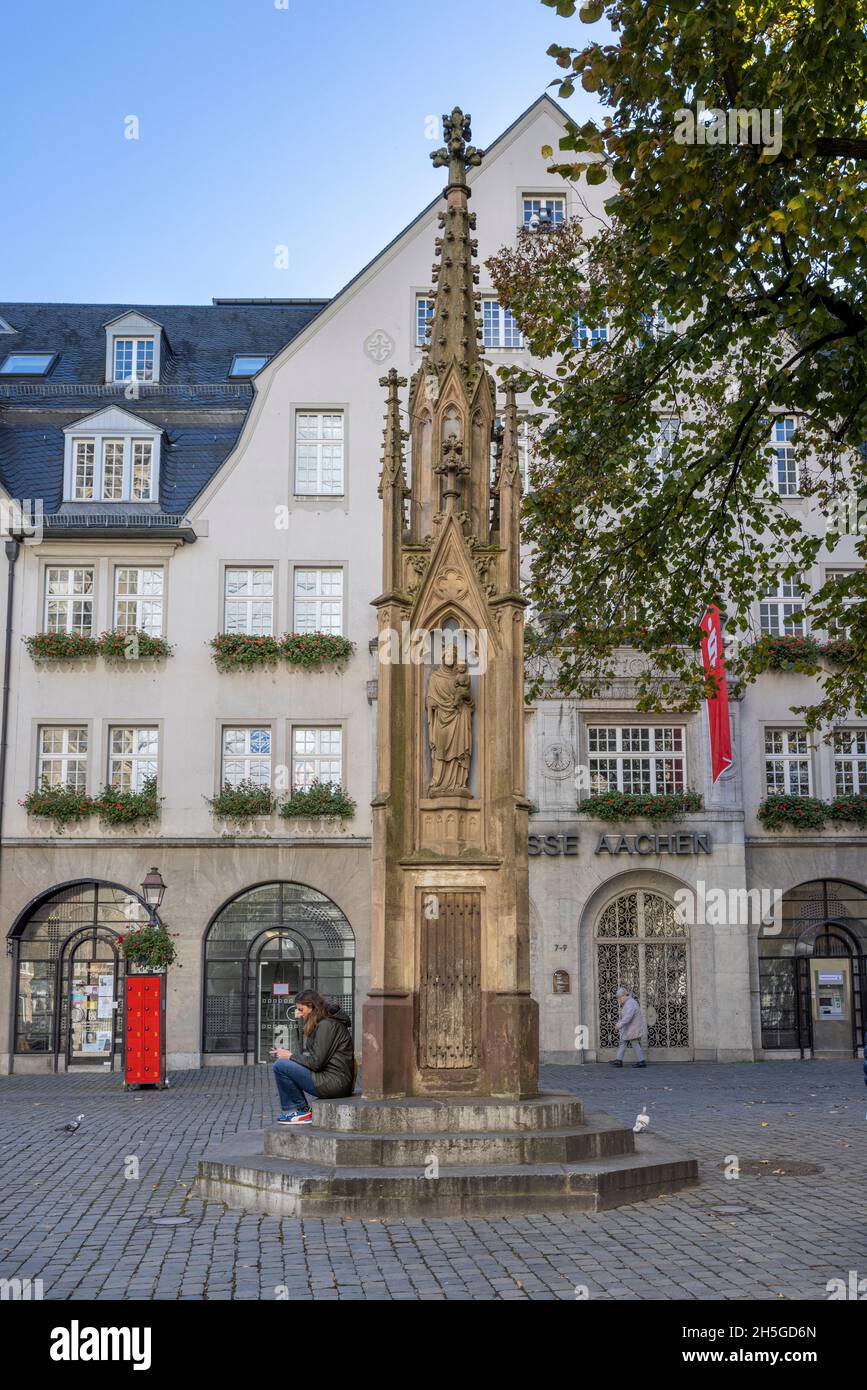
754	252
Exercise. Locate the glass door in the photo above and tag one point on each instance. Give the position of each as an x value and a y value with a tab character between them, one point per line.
279	982
92	1004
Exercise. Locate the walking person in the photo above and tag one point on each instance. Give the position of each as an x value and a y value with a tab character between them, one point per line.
632	1027
326	1066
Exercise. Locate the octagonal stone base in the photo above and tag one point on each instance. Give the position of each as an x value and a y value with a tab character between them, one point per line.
414	1158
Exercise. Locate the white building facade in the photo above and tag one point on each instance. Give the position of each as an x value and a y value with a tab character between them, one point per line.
280	531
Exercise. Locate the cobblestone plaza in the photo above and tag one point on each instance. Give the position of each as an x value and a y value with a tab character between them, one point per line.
72	1218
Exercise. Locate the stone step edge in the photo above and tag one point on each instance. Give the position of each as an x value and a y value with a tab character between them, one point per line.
593	1124
648	1157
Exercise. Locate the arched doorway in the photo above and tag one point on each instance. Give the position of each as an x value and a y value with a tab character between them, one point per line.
639	943
812	976
69	973
261	948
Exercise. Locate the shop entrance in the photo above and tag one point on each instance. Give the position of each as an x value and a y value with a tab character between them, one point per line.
279	982
92	1010
813	974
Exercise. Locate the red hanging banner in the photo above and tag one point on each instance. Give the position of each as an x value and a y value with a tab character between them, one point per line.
717	704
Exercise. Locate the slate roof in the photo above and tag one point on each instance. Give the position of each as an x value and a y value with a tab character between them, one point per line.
199	343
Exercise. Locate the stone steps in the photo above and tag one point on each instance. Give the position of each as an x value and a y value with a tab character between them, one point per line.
600	1137
420	1114
382	1166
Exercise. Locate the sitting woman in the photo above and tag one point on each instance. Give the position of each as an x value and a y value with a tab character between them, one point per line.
326	1066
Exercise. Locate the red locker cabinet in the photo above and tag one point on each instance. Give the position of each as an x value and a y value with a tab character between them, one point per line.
144	1051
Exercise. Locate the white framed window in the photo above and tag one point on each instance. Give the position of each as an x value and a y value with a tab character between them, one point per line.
850	761
133	359
69	599
133	757
112	469
248	601
668	429
319	439
787	761
781	610
587	334
116	467
138	599
655	326
785	463
836	628
423	312
142	470
246	756
499	328
318	601
540	209
317	756
84	452
645	758
62	760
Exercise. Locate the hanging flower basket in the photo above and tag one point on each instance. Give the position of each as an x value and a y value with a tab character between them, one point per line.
149	948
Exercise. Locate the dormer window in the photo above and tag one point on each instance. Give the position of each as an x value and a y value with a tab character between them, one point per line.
28	363
112	457
246	364
133	359
133	348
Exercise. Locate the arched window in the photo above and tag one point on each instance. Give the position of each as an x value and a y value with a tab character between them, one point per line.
823	920
70	969
640	944
261	949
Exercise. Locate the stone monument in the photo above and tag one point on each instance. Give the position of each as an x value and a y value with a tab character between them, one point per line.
449	1009
451	1120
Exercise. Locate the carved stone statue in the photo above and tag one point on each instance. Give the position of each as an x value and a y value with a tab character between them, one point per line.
449	706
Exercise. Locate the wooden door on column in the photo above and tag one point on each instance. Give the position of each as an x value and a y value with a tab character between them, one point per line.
450	986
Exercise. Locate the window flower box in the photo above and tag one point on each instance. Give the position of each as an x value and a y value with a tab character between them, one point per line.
149	948
133	644
850	809
839	651
618	806
319	800
801	812
116	807
243	801
309	649
62	805
241	651
786	654
61	646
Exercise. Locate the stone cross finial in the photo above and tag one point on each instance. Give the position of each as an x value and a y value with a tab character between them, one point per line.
457	154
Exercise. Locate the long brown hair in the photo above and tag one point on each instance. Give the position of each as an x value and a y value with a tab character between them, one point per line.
320	1008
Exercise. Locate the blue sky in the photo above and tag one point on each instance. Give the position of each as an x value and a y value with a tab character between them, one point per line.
259	127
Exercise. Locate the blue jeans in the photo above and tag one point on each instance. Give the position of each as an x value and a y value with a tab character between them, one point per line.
633	1043
292	1081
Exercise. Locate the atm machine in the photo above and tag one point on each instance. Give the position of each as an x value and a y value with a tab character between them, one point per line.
831	984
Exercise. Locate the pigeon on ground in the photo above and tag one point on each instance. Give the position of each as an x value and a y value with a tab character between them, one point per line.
641	1123
72	1126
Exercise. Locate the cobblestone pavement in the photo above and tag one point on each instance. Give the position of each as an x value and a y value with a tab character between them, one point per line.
74	1214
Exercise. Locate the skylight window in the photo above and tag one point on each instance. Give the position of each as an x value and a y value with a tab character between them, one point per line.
248	363
27	363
